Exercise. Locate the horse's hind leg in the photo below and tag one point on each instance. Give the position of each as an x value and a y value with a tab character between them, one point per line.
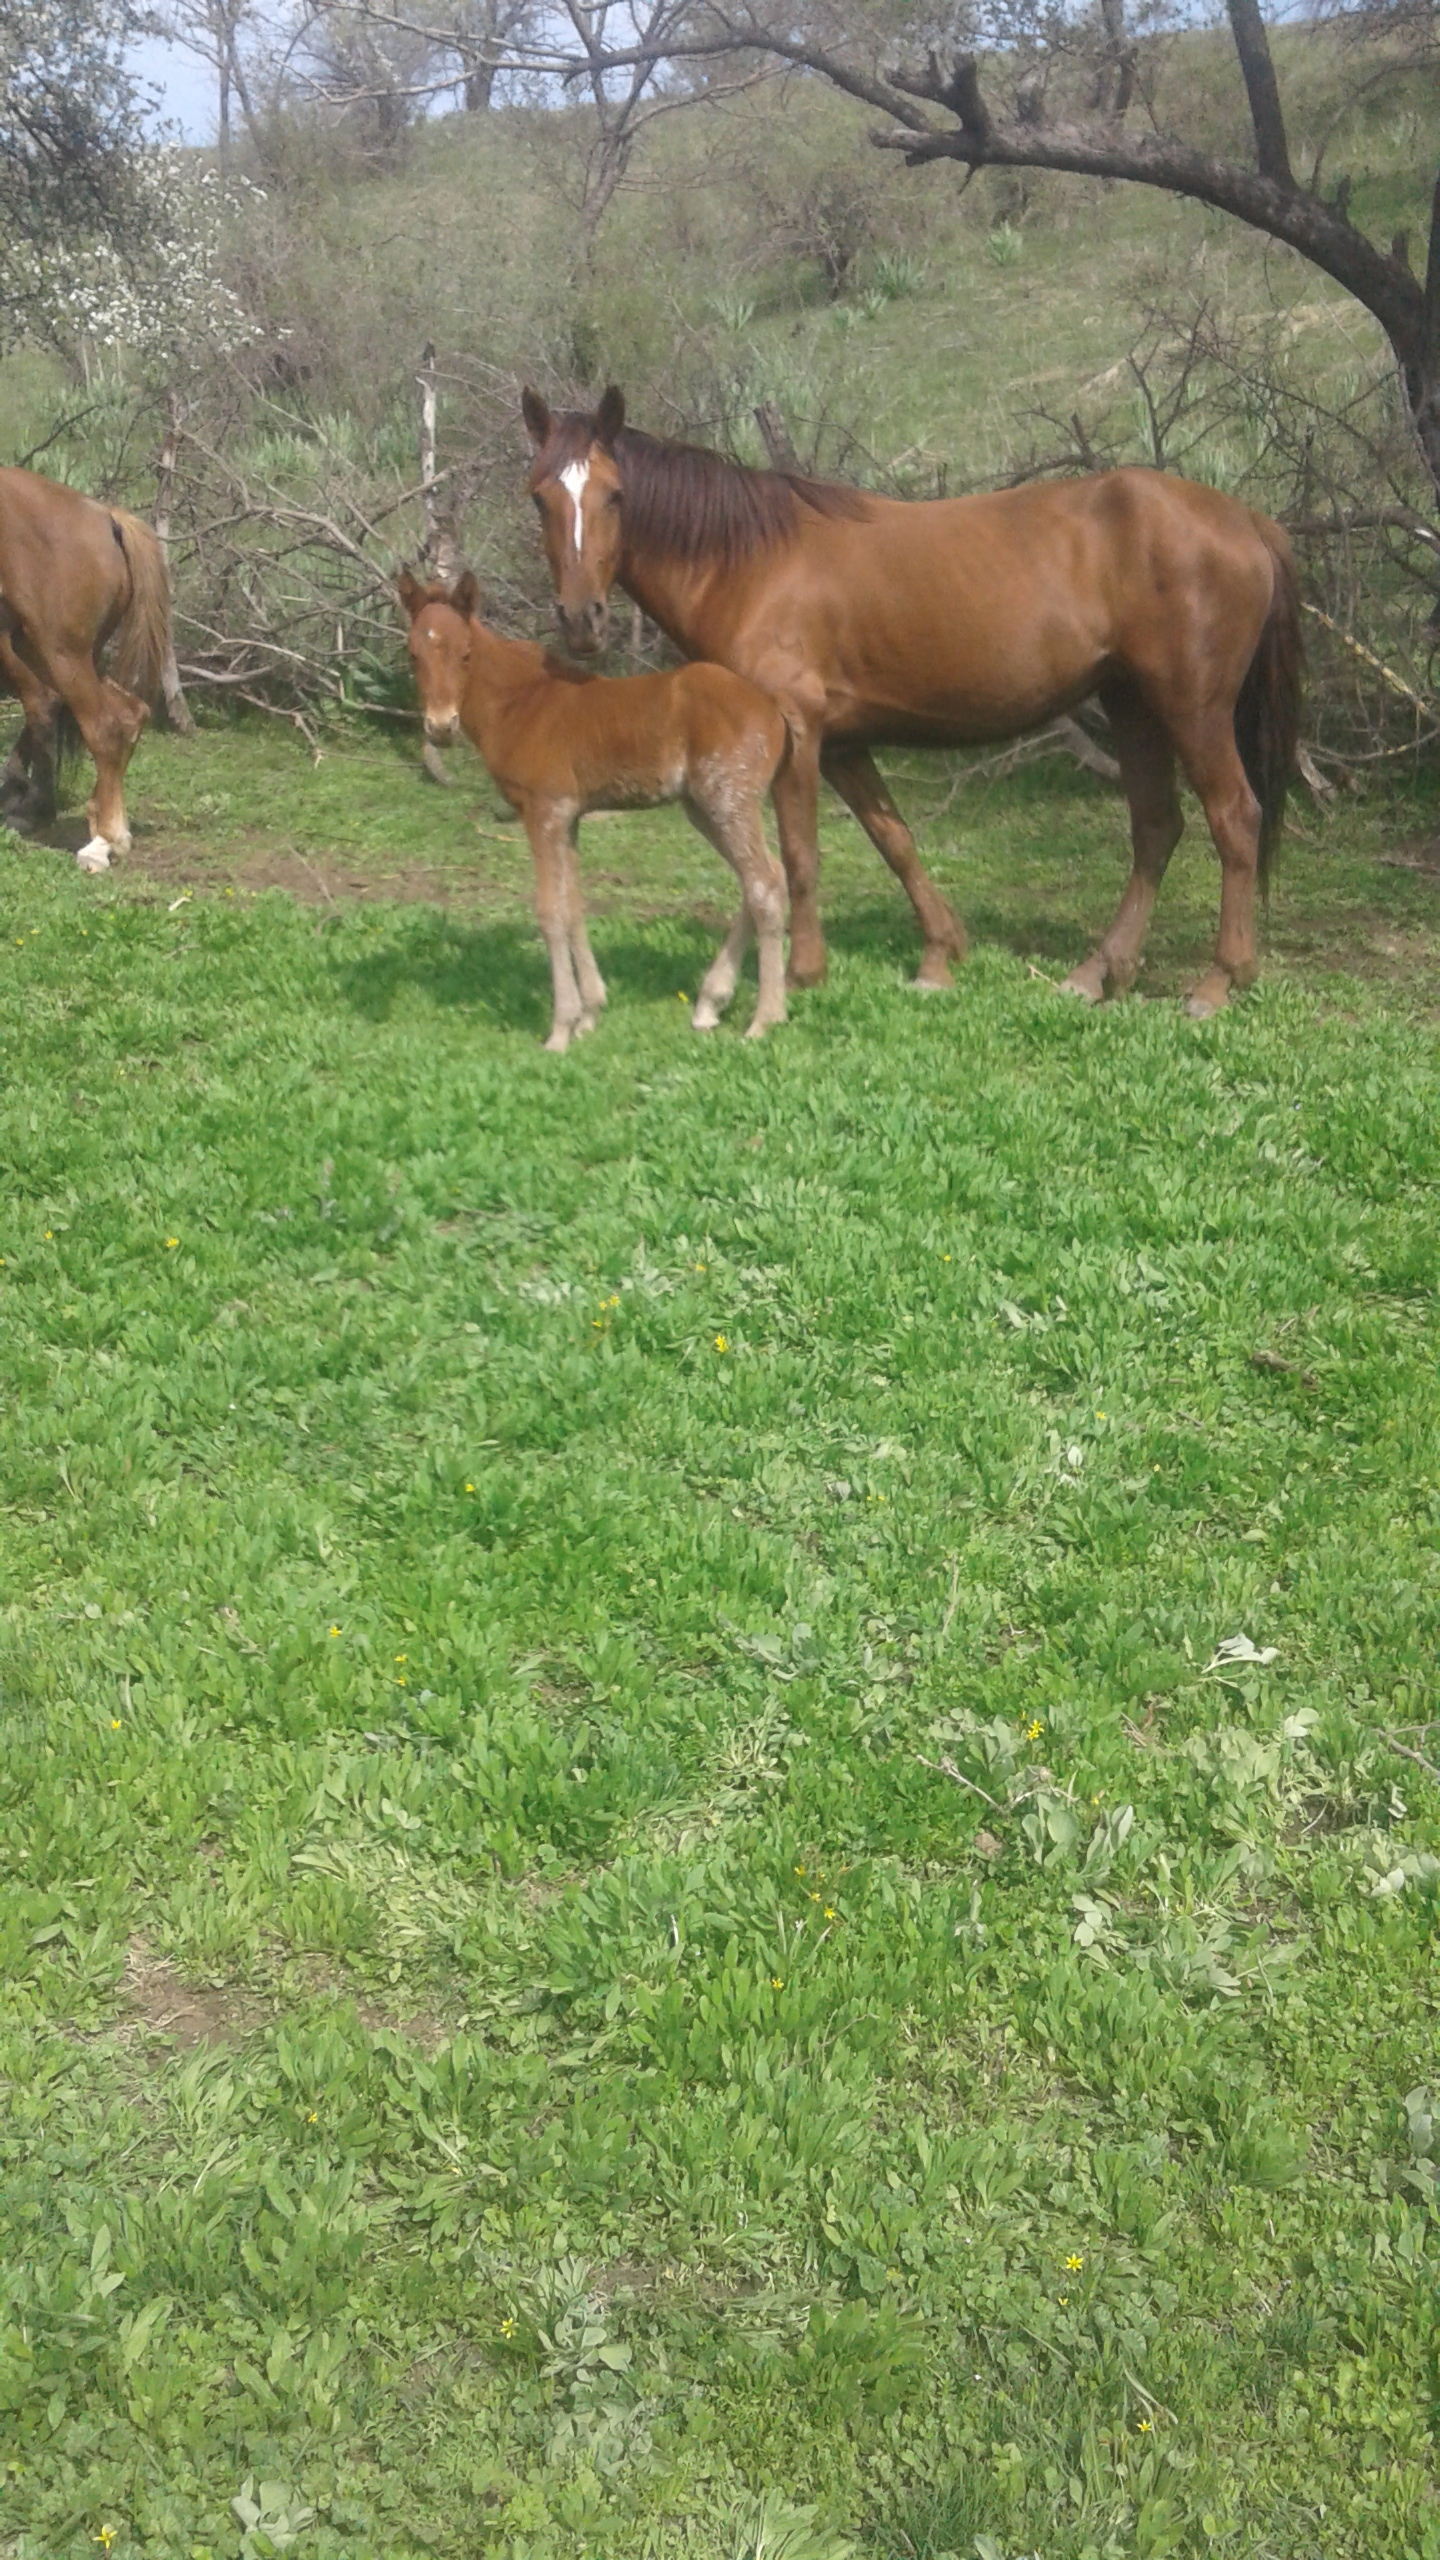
852	773
110	721
27	783
1215	772
1147	773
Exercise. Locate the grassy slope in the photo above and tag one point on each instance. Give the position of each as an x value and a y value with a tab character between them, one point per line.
420	1631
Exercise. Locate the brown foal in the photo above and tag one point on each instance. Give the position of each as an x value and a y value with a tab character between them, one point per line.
948	622
559	744
75	577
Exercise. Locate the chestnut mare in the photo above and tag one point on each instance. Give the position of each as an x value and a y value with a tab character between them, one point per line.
74	576
559	743
953	621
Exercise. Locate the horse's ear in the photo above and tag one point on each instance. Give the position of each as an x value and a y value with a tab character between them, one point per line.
537	417
610	416
465	594
410	592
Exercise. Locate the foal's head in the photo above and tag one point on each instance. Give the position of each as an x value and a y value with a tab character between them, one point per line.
575	483
440	619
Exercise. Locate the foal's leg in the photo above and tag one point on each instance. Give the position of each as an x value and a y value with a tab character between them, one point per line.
740	839
852	773
588	978
1147	772
110	721
549	829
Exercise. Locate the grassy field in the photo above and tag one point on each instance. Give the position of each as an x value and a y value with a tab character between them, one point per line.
717	1818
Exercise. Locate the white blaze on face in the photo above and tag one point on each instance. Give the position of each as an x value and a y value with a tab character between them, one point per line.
573	478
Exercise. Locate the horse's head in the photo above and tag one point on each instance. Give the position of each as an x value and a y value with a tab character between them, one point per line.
440	619
575	483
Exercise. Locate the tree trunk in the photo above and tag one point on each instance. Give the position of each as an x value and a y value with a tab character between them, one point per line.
177	709
778	441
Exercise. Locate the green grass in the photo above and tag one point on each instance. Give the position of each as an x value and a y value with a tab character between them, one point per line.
596	1928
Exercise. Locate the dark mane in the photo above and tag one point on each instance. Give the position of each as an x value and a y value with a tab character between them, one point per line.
693	505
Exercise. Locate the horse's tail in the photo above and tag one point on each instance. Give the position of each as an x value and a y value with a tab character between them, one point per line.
141	641
1267	711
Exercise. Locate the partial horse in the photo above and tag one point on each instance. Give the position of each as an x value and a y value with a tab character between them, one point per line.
559	744
77	578
952	622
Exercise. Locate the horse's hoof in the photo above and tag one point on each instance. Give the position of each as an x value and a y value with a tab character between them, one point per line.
1210	997
704	1018
931	982
1087	982
809	971
94	856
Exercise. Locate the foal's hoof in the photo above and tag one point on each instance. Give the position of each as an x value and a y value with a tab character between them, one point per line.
704	1017
806	971
94	856
1087	982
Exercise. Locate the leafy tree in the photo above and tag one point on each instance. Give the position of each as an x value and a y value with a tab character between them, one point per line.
108	238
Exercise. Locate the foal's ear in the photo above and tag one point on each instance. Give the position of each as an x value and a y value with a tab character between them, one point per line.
465	594
610	416
409	591
538	421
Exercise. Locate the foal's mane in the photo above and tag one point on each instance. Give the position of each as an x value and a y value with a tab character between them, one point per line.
694	505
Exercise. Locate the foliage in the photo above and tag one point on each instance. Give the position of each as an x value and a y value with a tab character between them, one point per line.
512	2038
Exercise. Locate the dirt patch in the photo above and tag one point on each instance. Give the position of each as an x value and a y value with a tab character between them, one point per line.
622	2275
181	863
161	2005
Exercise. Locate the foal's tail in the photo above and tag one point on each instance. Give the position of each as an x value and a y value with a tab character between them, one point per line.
1267	711
141	641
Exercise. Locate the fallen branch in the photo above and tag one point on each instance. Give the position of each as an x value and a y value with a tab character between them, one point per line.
947	1769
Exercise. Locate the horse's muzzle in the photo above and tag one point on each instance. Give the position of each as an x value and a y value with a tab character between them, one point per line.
443	731
585	627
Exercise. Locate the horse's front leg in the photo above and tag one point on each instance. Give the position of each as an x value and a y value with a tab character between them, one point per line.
851	772
548	828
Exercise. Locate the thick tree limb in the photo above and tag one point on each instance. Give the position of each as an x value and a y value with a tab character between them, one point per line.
1252	45
1270	204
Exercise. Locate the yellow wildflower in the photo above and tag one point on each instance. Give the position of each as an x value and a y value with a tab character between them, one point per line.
721	1344
1073	2265
777	1981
